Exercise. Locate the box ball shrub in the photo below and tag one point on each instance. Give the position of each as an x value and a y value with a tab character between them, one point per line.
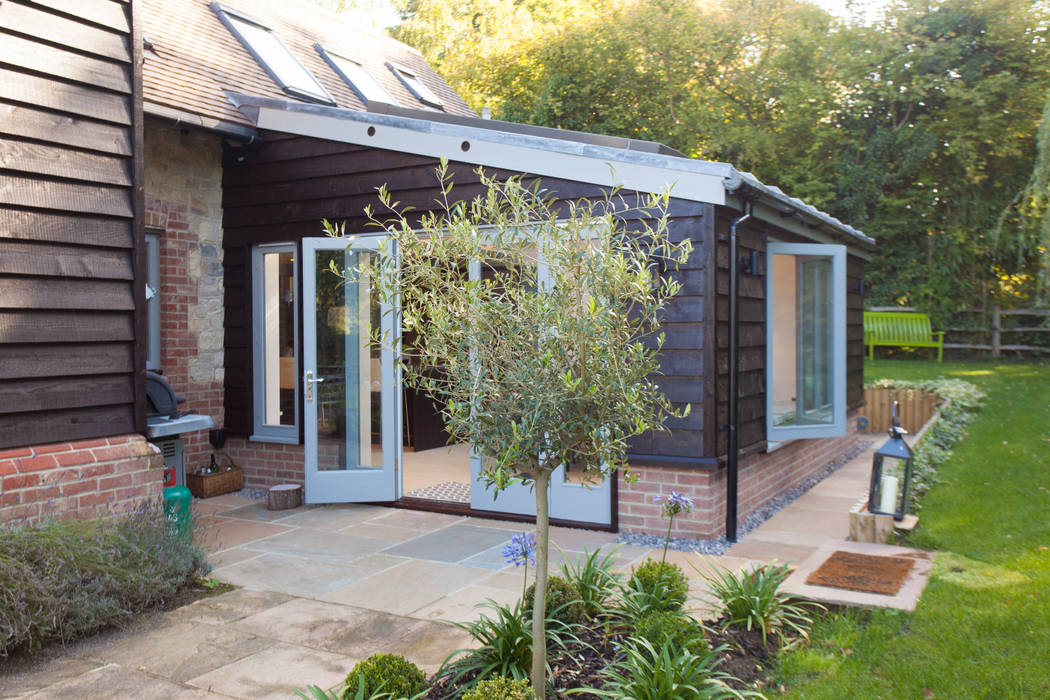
564	602
500	688
680	631
663	582
387	673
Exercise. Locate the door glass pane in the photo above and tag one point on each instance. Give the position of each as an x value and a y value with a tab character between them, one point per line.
278	338
349	412
802	336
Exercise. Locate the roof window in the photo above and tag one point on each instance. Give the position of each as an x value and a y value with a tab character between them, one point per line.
274	57
415	85
357	77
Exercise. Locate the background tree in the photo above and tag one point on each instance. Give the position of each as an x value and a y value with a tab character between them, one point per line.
546	358
917	126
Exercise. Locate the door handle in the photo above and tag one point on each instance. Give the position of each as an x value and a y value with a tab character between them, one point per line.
310	381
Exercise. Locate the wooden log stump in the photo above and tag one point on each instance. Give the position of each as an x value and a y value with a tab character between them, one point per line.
284	496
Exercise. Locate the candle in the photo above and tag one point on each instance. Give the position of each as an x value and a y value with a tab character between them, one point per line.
888	494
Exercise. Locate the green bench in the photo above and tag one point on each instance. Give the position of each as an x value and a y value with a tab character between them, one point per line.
900	329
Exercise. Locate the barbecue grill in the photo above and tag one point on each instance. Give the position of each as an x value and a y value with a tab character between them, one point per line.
165	425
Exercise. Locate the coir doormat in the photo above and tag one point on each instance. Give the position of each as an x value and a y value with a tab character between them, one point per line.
862	572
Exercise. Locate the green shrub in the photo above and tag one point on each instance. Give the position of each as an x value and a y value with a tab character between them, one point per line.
678	630
752	599
62	579
564	602
665	673
594	578
502	646
661	585
501	688
385	674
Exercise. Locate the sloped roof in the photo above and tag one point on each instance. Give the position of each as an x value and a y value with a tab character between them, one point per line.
576	156
192	60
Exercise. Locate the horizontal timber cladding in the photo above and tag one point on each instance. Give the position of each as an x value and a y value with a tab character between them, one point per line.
279	188
71	242
753	236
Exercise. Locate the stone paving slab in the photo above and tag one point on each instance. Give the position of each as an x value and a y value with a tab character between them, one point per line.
118	682
905	599
274	672
406	587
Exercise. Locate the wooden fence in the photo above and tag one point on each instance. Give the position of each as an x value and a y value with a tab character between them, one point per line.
997	324
916	407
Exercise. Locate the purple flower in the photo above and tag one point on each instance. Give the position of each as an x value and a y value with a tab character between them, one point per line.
521	549
674	503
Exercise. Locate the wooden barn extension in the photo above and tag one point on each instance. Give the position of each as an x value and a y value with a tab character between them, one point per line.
207	181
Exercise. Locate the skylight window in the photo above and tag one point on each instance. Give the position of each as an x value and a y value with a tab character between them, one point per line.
274	57
415	85
357	77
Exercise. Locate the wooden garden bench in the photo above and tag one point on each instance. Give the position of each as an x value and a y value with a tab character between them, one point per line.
900	329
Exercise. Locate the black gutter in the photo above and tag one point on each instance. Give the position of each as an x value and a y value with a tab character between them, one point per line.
733	457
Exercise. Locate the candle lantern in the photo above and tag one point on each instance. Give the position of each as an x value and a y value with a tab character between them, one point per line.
891	473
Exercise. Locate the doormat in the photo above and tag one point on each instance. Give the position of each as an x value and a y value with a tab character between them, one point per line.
454	491
862	572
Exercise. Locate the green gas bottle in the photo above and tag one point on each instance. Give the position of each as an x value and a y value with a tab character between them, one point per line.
177	510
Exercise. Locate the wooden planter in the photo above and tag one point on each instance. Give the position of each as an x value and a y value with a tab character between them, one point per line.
208	485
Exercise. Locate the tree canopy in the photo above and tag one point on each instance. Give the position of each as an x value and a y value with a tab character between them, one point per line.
918	127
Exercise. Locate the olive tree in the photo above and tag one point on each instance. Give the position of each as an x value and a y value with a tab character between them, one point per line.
544	356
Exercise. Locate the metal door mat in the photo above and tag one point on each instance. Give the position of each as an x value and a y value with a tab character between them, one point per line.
454	491
862	572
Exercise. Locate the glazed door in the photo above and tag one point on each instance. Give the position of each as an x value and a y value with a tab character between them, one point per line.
350	382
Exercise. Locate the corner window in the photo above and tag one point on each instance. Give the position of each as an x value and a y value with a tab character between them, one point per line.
275	344
415	85
805	341
354	74
273	56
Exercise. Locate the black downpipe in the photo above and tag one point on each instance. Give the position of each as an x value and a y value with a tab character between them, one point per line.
733	457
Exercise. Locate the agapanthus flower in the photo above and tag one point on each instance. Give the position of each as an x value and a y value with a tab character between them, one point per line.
674	503
521	549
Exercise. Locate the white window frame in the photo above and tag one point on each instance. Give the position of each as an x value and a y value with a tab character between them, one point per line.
314	91
417	87
837	426
364	84
261	430
152	299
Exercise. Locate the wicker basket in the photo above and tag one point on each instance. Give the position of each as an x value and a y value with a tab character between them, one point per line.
208	485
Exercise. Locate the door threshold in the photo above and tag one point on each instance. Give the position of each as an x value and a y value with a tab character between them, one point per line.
458	508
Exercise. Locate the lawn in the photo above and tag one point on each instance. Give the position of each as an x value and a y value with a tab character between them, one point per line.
982	628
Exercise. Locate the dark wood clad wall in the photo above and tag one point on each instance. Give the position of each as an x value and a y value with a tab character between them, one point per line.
753	237
280	189
71	242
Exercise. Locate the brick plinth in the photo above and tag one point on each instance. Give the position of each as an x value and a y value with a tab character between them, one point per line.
79	479
761	477
267	464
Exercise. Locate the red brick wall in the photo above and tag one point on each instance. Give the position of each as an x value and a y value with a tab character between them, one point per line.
82	479
267	464
761	477
178	341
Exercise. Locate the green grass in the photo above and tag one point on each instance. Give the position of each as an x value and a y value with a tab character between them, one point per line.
982	628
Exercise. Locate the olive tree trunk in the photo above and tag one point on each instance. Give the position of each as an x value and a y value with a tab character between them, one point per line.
539	600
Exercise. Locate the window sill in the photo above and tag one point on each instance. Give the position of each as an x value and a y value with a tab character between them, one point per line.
774	446
280	439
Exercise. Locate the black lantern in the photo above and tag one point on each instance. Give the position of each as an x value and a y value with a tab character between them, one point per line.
887	496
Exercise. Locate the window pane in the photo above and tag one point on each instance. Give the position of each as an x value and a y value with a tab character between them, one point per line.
361	80
416	86
349	411
278	338
278	58
802	372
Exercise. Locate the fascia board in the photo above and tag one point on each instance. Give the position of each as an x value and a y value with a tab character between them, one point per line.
545	157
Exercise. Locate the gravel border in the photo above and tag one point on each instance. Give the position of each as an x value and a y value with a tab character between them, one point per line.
719	545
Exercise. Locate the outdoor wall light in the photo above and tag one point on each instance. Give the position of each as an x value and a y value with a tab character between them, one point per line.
887	495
